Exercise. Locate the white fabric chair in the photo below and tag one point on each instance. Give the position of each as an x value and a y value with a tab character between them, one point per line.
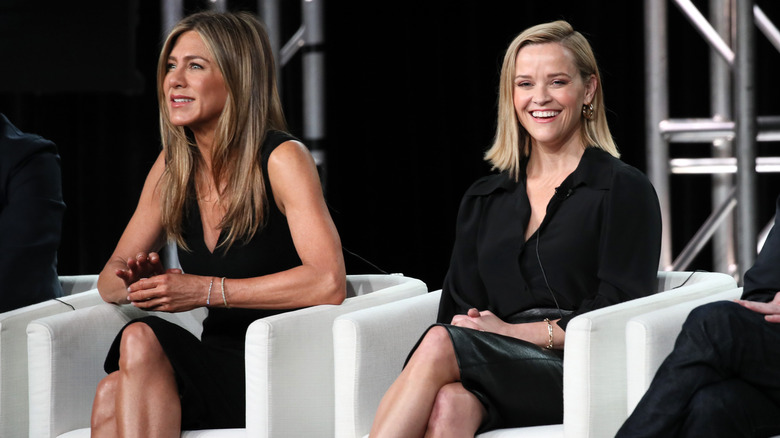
371	345
78	292
289	361
650	337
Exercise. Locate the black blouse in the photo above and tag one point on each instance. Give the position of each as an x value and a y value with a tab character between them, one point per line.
599	243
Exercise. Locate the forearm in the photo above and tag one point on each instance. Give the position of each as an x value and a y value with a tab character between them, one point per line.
301	286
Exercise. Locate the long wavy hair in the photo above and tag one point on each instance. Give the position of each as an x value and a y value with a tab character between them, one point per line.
512	142
241	49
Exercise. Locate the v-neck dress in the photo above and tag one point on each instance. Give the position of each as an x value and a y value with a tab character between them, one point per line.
599	244
210	371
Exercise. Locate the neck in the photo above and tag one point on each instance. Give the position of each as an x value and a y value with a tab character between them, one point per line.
553	161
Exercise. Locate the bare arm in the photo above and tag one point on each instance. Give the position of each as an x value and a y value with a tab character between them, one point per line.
135	257
320	279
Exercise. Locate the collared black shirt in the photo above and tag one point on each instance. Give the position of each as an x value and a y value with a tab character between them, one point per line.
599	243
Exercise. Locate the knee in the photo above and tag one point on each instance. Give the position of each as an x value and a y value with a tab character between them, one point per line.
713	317
454	409
435	347
139	347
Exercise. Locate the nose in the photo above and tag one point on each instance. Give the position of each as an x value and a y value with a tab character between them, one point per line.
175	78
540	96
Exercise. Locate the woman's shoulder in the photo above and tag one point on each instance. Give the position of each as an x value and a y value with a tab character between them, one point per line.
611	171
490	184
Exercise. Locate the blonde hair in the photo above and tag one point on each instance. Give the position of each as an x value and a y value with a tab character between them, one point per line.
512	141
241	49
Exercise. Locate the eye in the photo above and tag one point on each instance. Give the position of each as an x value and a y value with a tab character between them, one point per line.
195	66
170	66
523	84
559	82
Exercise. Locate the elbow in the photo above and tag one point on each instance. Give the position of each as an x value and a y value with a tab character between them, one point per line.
334	287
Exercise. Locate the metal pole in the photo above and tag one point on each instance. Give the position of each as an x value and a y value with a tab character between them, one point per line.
218	5
314	78
657	108
745	109
270	12
172	12
723	252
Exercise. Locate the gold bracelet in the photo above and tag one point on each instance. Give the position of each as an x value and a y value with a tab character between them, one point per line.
224	300
550	333
208	296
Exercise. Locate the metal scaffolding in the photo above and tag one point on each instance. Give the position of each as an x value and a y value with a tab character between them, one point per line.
733	141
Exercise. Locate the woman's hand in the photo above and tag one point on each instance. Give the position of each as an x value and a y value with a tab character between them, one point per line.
771	310
484	321
141	266
174	292
534	332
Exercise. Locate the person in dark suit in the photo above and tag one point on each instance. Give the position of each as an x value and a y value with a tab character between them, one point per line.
722	379
31	212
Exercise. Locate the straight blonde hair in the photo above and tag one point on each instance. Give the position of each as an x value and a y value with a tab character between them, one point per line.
512	141
241	49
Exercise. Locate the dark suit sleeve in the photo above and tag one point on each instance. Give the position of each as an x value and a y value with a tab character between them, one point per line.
630	245
30	230
762	280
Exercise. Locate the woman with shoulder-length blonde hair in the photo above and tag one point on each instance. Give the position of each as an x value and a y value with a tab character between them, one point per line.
242	200
564	228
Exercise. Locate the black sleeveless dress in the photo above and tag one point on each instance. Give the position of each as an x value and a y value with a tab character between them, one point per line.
210	371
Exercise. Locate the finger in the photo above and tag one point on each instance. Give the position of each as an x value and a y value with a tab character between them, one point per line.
173	271
772	318
473	313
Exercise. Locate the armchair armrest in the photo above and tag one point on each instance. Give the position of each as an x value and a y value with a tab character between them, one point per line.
73	284
13	356
289	360
594	379
363	374
650	337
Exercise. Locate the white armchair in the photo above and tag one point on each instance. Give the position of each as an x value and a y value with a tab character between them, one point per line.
650	337
289	363
371	345
78	292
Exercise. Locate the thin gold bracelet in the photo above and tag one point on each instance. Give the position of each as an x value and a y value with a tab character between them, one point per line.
208	296
550	333
224	299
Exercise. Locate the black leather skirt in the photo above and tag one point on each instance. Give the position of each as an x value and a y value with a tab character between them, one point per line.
519	383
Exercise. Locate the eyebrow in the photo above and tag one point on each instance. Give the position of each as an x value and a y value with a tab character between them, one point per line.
188	58
551	75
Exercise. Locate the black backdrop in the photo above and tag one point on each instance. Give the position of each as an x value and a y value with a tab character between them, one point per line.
411	99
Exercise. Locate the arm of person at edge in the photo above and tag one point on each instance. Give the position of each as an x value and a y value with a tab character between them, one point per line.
762	280
320	279
628	266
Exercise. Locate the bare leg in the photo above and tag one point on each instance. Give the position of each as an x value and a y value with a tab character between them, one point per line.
147	398
456	413
407	405
104	408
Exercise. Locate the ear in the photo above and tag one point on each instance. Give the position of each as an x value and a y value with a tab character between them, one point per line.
590	89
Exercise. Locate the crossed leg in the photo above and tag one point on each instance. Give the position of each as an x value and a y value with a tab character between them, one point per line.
427	399
141	399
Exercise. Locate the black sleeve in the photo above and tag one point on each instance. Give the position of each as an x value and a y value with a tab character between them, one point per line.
30	230
630	246
762	280
463	278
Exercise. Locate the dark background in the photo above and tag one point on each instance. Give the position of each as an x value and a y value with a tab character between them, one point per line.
411	106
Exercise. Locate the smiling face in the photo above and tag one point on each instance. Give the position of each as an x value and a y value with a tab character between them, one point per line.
195	90
548	95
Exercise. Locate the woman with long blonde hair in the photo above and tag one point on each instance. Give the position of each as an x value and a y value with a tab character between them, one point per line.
564	228
242	200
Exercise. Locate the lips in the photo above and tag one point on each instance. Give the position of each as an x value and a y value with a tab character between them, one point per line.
178	101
